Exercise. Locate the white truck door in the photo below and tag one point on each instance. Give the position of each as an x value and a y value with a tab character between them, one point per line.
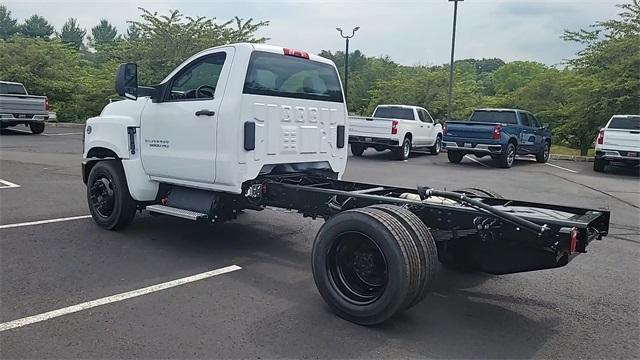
423	128
432	132
179	132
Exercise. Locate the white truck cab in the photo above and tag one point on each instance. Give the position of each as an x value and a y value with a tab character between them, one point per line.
224	116
400	128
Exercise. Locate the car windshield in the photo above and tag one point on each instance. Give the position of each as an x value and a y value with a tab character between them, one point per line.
288	76
626	123
12	89
394	113
505	117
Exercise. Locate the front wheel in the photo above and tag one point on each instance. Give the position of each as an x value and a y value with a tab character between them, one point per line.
357	149
110	203
437	146
36	127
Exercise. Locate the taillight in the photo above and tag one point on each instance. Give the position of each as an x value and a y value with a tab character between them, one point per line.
496	132
46	103
394	127
296	53
573	240
601	137
444	128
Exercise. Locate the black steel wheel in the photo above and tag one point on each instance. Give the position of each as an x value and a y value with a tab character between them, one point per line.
110	203
357	149
366	265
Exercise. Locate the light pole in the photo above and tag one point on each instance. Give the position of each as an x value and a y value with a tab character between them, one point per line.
453	45
346	58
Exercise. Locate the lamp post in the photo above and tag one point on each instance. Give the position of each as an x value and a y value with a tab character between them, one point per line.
453	45
346	57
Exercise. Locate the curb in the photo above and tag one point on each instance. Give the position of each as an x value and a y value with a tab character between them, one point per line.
572	158
65	125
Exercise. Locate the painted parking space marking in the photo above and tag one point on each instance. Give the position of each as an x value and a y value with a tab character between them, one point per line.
40	222
4	184
560	167
63	134
114	298
475	161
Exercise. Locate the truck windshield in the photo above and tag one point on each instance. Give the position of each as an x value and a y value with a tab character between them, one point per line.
287	76
503	117
394	113
626	123
12	89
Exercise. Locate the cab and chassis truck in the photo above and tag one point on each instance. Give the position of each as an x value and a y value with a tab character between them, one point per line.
248	126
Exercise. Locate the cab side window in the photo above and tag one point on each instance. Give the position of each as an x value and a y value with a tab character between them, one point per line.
534	122
524	119
421	115
198	80
428	116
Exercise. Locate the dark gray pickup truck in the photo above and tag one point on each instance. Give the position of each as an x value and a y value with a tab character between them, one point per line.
18	107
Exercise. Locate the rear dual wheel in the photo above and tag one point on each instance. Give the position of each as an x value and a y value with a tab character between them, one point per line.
371	263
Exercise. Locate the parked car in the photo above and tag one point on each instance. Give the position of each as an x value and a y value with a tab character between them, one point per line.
618	143
18	107
499	133
400	128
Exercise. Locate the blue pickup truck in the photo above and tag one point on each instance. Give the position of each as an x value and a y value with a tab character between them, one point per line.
499	133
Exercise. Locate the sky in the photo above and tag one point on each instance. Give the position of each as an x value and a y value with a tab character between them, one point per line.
410	32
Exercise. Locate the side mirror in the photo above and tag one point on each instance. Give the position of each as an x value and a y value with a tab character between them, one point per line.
127	81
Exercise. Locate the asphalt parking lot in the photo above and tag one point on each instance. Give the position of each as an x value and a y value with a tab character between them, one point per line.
270	308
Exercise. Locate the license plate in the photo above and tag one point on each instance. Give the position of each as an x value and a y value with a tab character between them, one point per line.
22	116
368	139
468	145
633	154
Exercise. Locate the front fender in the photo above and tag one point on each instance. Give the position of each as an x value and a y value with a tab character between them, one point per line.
109	132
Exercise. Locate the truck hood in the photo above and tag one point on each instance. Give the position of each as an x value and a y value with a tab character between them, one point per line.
127	110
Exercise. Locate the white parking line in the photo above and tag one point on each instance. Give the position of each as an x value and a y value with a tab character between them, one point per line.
4	184
63	134
40	222
475	161
114	298
560	167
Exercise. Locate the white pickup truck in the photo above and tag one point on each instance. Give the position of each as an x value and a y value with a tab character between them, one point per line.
18	107
251	126
400	128
618	143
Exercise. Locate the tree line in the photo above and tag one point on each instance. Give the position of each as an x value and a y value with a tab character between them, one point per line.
76	67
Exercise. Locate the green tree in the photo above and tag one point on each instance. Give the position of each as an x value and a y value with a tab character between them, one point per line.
514	75
103	33
8	25
133	33
36	27
608	73
72	34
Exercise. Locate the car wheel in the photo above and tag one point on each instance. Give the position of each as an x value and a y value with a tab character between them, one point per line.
507	159
454	156
543	156
357	149
435	149
110	203
36	127
403	152
599	165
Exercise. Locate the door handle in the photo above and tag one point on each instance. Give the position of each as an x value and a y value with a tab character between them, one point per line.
205	112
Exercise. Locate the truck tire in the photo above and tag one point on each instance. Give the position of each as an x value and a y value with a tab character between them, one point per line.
357	149
403	151
424	243
480	192
507	159
543	156
437	146
454	156
36	127
366	265
599	165
110	203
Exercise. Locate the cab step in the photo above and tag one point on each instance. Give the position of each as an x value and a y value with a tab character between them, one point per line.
177	212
